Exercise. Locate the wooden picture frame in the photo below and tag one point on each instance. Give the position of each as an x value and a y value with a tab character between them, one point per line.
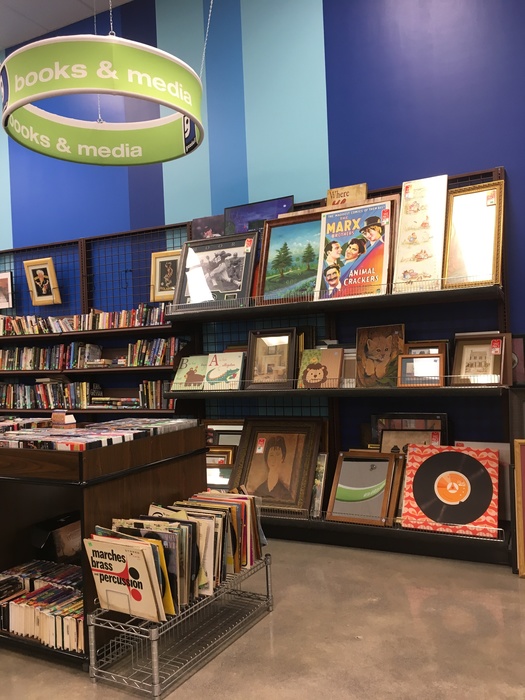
6	290
397	441
474	236
426	347
278	279
42	281
519	461
220	455
421	370
361	487
164	273
409	421
271	359
478	360
276	460
316	506
217	270
378	348
220	426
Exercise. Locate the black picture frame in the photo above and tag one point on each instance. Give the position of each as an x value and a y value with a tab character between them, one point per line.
208	273
272	359
245	217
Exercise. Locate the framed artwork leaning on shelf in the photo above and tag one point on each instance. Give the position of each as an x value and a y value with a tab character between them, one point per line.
271	359
216	270
164	271
42	281
420	370
478	360
289	258
474	235
6	290
361	487
276	460
378	348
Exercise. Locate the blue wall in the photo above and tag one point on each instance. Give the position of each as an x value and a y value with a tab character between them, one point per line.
301	96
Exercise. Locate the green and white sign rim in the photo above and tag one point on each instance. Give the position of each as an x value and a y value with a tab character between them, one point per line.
101	65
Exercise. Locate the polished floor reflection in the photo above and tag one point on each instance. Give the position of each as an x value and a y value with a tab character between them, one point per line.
347	624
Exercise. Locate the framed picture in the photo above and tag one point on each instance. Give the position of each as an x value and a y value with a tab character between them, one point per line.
271	359
220	455
6	290
249	217
232	427
478	360
426	347
361	487
207	227
226	437
378	348
418	249
518	359
354	250
474	235
420	370
409	421
519	461
397	441
216	269
42	281
287	275
276	460
316	506
164	268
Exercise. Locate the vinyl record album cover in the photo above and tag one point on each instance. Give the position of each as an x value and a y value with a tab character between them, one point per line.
451	489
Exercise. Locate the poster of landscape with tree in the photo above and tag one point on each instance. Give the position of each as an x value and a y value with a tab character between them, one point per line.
291	252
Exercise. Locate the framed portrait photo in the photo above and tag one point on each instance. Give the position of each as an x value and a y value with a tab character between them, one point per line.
276	460
420	370
216	269
478	360
164	269
271	359
6	290
474	235
361	487
42	281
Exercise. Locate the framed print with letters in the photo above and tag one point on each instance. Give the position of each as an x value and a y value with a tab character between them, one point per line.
361	487
216	269
164	268
42	281
474	235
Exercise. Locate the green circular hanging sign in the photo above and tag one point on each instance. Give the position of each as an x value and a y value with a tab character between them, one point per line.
103	65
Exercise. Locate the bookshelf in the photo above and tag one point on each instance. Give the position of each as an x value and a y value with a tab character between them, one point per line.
119	479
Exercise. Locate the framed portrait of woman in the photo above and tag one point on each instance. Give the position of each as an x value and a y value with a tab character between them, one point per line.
276	460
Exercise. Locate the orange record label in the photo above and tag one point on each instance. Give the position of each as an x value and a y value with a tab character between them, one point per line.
452	488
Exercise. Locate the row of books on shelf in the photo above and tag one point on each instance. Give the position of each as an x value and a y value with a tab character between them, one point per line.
53	393
154	565
144	315
143	352
15	435
42	601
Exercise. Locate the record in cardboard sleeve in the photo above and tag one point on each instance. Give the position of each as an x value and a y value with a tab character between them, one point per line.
452	488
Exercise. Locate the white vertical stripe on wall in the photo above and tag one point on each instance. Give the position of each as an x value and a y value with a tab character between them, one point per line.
6	225
285	98
180	32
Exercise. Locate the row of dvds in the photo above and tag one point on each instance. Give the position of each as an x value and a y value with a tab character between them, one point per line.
94	436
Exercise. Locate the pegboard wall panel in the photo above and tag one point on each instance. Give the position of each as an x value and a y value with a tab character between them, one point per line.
239	407
119	274
217	336
63	258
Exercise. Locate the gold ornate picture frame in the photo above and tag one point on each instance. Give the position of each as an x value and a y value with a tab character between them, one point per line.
42	281
164	271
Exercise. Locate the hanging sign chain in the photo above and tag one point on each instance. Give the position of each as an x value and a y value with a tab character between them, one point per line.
205	39
111	32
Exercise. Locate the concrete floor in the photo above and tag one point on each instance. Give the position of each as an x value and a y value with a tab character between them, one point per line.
347	624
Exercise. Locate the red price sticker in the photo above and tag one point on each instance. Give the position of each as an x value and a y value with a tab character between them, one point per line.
495	346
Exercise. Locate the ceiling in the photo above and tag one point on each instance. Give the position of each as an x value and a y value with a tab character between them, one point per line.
23	20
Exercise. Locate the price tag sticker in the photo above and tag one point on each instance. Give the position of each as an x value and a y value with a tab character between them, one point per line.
495	346
259	449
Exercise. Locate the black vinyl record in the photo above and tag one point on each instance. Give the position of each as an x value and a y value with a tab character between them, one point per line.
468	483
